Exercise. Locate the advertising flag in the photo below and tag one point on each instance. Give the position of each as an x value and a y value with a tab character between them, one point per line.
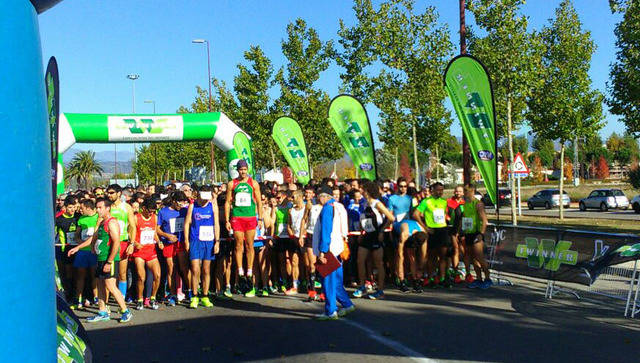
351	123
288	136
52	87
468	84
241	150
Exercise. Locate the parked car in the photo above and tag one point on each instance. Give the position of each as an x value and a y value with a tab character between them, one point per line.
635	203
504	198
549	198
604	199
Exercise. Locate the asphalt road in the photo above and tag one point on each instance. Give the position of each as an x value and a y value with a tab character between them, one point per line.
574	212
502	324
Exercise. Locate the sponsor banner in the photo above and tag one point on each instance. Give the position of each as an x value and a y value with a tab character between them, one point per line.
241	150
52	88
468	84
349	119
288	136
560	255
144	128
73	345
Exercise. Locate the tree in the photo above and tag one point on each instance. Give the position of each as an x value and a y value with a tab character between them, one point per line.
405	169
625	71
450	150
568	169
564	106
520	145
512	56
536	169
545	150
634	176
602	170
82	168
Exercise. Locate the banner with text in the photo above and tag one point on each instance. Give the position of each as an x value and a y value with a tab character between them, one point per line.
468	84
241	150
52	88
349	119
288	136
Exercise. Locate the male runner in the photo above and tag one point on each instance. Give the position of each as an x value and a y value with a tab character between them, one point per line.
452	204
243	200
106	243
296	240
311	214
473	226
145	251
200	240
85	261
123	213
66	227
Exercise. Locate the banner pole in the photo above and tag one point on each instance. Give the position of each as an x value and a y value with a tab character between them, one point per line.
519	199
631	283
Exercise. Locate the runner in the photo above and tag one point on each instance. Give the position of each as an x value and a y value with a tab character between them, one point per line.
295	227
374	221
123	213
431	214
170	229
201	224
85	261
66	227
106	244
224	257
311	214
473	226
244	193
145	252
261	249
452	205
281	239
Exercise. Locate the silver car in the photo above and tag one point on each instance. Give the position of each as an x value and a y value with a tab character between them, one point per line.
549	198
604	199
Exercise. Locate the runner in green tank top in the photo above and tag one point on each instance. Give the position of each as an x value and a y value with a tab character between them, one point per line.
123	213
85	260
240	208
473	226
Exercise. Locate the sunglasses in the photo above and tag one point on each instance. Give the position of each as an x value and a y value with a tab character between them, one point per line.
403	186
111	192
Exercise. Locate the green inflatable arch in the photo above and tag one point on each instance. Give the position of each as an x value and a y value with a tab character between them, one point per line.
142	128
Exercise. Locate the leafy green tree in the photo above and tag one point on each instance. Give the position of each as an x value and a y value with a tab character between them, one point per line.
565	106
82	168
512	56
625	71
545	150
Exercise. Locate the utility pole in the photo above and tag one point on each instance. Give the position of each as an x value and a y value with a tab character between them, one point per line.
133	78
466	151
214	168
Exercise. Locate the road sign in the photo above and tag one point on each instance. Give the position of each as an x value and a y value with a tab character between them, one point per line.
519	166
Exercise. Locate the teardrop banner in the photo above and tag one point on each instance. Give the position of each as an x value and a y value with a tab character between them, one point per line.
349	119
52	88
288	136
469	86
241	150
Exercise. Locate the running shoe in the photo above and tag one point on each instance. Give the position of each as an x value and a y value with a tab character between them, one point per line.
264	292
95	301
486	284
283	287
475	284
147	303
321	298
227	292
311	295
317	284
346	311
379	294
325	317
154	304
457	279
128	300
359	292
251	293
291	291
140	305
194	302
432	283
87	303
469	279
100	316
206	302
126	316
403	287
171	301
417	286
368	286
273	290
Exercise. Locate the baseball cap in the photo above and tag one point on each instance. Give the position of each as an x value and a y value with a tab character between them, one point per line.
325	189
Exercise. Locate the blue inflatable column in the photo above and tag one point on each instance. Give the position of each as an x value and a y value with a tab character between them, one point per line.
28	315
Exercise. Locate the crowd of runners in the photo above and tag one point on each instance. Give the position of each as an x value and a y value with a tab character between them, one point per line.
187	245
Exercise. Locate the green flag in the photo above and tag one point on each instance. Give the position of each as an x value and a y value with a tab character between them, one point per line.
52	88
241	150
288	136
468	84
350	121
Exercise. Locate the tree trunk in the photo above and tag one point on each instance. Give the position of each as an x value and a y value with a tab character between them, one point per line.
415	156
437	164
395	171
514	217
273	159
561	180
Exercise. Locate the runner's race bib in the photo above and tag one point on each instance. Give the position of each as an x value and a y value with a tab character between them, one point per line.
146	237
282	231
467	223
243	199
400	217
86	233
176	225
438	216
122	229
96	248
71	238
205	233
367	225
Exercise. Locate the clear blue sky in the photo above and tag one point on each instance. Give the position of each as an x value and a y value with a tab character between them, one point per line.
97	43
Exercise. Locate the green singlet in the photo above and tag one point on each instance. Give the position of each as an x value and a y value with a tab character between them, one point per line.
470	217
282	214
122	216
87	226
434	211
103	243
243	203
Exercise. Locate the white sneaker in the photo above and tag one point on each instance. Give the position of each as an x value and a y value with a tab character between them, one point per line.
345	311
323	316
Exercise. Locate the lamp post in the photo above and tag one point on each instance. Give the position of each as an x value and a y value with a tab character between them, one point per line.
133	78
155	151
213	159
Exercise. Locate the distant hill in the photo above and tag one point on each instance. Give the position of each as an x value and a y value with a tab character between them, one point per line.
105	159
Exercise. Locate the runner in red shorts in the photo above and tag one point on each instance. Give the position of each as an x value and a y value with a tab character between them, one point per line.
145	251
242	203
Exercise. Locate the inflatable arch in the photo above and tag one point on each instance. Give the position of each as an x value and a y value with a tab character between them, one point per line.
143	128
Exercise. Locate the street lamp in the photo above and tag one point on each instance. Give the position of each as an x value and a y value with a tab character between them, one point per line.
133	78
213	159
155	151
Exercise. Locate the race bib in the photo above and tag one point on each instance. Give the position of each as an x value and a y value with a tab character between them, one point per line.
176	225
243	199
71	238
146	237
86	233
367	225
400	217
282	231
96	248
205	233
467	223
122	229
438	216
